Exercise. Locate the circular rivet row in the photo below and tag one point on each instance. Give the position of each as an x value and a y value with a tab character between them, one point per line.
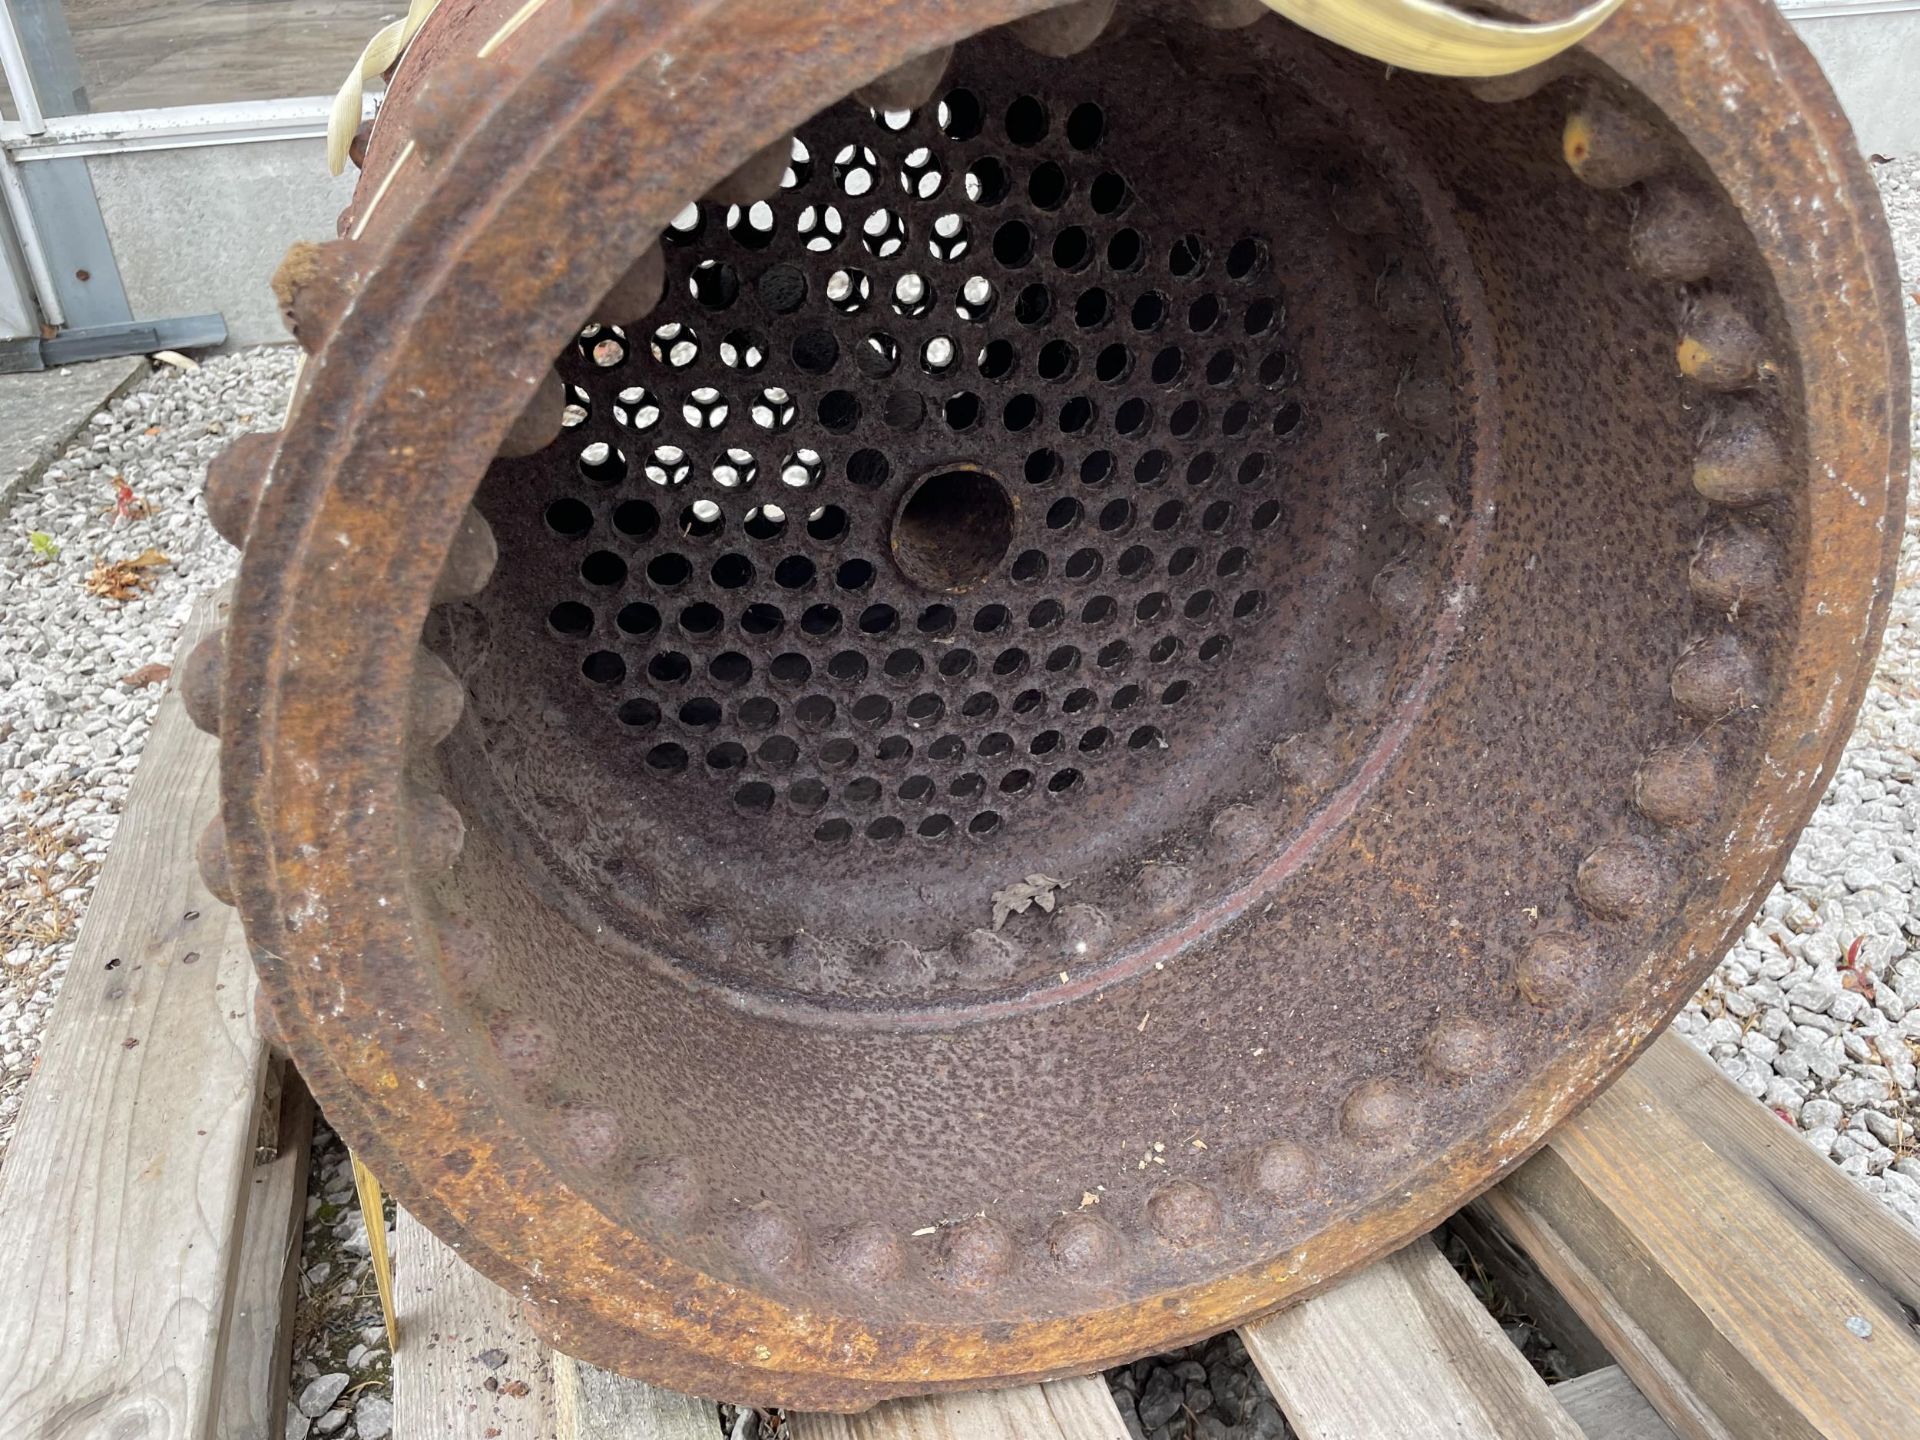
1679	237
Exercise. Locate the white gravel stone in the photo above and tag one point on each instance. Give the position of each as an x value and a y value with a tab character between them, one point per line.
1820	1115
318	1397
373	1417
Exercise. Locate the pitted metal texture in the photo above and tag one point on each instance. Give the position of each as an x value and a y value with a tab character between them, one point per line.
948	511
747	927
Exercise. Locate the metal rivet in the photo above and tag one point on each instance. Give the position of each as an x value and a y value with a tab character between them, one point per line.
1676	787
1608	148
1405	295
1065	30
466	959
711	927
199	681
1400	591
1365	208
1716	677
1622	878
1081	1242
1505	89
1676	236
973	1254
438	833
1736	570
1425	401
670	1188
772	1241
265	1022
525	1047
470	560
1167	888
1461	1048
807	959
986	956
1183	1213
1283	1171
540	424
211	854
1357	685
436	701
900	967
908	86
1741	461
590	1133
1085	931
1380	1112
869	1255
1309	760
1230	14
1719	347
1424	499
315	283
1240	832
235	478
1553	968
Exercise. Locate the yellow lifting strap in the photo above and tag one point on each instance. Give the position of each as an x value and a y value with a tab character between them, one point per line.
1411	34
382	50
373	1211
1437	39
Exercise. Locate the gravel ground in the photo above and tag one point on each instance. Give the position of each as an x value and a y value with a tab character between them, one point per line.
101	558
1816	1011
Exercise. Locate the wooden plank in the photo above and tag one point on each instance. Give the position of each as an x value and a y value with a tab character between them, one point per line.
468	1366
1518	1281
1080	1409
1402	1349
269	1120
1083	1409
1744	1290
1606	1405
122	1197
254	1380
1857	1233
1663	1383
590	1404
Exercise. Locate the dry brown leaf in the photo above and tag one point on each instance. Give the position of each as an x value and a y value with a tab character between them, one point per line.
1015	899
154	674
122	580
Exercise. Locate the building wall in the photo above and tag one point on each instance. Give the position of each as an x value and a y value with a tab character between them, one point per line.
1870	56
202	229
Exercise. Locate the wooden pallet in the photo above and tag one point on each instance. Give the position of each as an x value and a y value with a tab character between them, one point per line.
1716	1278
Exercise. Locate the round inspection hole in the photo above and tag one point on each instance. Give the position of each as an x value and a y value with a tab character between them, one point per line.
953	529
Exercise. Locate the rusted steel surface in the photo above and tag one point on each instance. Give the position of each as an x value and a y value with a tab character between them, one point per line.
1103	698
